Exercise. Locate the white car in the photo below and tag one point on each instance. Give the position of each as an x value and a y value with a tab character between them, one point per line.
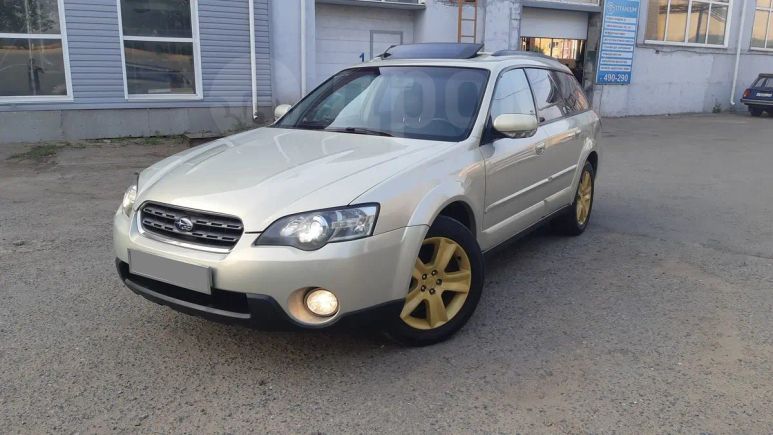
374	197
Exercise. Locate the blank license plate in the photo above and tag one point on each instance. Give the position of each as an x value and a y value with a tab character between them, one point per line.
189	276
764	94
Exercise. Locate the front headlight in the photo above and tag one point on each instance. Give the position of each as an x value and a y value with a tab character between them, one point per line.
313	230
128	199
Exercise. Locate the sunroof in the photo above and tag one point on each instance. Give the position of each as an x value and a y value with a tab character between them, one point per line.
433	50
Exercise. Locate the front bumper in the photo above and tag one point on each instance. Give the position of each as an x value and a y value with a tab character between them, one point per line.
760	103
262	286
254	311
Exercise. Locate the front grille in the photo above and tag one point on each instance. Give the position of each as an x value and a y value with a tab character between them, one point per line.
208	229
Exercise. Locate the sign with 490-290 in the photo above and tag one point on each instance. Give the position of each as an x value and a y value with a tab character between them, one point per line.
617	78
618	40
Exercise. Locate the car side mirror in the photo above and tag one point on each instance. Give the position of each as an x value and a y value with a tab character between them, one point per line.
515	125
281	110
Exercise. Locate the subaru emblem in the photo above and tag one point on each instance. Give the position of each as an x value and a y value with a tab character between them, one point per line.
184	224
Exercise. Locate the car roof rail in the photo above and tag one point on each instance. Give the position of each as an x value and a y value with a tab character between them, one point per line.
501	53
432	50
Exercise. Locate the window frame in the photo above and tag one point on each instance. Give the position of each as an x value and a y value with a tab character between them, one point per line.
684	43
488	127
194	40
62	36
474	120
496	85
534	96
768	27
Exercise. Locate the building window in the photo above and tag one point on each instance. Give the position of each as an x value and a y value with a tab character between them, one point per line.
689	22
34	65
762	32
160	49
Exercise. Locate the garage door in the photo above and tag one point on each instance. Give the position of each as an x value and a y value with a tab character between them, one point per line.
538	22
349	35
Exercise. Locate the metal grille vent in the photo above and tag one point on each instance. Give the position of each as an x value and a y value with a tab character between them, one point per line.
191	226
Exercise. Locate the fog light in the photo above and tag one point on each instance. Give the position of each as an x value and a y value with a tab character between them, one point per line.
322	302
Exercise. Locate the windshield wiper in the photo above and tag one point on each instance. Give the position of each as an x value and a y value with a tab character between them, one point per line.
360	130
312	125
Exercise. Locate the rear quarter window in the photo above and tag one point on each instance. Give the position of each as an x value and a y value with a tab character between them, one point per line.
556	93
572	94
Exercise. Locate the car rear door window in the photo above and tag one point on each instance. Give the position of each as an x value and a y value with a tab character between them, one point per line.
547	94
512	95
572	94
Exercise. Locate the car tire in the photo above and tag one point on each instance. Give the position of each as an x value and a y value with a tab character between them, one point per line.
575	219
755	111
435	309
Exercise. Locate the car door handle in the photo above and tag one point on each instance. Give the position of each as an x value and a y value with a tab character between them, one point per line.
576	133
539	148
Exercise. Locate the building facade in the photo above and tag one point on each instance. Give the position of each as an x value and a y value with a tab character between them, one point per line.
693	56
685	55
73	69
339	33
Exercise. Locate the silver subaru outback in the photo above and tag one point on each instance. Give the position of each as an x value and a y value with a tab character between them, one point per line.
372	199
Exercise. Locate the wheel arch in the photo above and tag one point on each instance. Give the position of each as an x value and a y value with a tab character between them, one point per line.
593	158
455	205
460	211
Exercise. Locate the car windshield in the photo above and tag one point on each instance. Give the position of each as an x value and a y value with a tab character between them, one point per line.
419	102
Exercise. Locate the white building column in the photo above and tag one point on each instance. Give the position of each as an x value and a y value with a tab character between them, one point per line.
501	25
287	66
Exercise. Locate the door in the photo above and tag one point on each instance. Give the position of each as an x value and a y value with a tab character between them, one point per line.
514	198
558	107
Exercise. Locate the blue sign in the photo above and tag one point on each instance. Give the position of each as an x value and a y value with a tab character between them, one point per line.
618	39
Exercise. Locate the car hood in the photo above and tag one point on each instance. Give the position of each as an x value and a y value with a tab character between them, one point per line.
264	174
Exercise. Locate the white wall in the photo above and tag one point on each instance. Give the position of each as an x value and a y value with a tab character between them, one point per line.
669	82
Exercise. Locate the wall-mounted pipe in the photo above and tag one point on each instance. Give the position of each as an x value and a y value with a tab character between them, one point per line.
253	63
738	53
303	48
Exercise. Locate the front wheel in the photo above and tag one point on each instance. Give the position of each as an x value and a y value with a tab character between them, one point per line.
755	111
445	286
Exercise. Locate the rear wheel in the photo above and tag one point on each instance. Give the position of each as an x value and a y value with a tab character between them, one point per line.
575	219
755	111
445	286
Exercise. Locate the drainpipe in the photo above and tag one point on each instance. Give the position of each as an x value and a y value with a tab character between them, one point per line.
738	55
253	65
303	48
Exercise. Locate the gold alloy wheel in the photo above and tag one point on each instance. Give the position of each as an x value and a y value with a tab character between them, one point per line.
440	283
584	198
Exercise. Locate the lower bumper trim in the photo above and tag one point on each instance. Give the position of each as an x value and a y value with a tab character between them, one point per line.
762	103
166	300
252	310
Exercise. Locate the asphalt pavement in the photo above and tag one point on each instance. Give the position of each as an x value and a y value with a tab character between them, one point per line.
658	319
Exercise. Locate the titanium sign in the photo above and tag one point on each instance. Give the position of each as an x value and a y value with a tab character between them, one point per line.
618	39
